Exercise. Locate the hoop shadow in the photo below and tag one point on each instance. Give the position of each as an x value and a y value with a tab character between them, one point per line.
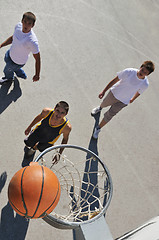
6	97
11	228
90	192
90	175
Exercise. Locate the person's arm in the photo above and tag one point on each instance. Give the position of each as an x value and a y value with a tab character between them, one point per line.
36	77
65	138
110	84
137	94
37	119
7	42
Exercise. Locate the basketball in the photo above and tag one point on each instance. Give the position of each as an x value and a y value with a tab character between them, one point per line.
34	191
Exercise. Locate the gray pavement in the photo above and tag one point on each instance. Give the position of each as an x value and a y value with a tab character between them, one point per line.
83	44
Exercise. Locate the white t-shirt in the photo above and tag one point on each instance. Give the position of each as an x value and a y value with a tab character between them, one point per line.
128	85
22	45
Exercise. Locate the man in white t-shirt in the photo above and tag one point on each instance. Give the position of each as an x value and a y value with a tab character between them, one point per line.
124	89
23	42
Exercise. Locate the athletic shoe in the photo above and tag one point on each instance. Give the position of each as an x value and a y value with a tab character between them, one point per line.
96	110
96	132
4	80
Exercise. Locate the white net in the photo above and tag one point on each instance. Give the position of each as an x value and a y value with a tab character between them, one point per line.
85	184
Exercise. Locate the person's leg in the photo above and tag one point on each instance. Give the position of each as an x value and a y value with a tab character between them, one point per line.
41	146
8	72
31	140
9	69
102	123
107	101
114	109
20	73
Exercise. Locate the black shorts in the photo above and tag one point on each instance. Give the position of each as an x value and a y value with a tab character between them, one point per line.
33	139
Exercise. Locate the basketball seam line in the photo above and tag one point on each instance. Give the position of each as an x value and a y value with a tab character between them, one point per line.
40	193
15	207
51	203
22	195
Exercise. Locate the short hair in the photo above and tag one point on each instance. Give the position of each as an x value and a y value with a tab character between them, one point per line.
150	66
63	105
30	16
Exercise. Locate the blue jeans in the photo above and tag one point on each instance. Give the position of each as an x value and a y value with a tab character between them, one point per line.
12	67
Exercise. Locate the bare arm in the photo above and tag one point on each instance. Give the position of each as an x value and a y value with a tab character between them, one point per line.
37	119
66	134
134	97
7	42
110	84
36	77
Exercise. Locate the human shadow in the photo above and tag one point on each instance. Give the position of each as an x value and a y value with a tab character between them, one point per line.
6	96
27	159
3	179
88	191
11	227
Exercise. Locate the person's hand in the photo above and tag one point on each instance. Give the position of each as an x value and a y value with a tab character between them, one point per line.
27	131
101	95
56	158
36	78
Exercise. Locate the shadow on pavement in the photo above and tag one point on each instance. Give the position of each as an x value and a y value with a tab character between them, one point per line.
12	226
3	179
6	97
92	167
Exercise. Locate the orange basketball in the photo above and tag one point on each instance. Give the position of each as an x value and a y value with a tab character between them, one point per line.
34	191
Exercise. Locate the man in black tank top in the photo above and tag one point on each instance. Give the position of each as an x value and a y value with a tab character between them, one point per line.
52	124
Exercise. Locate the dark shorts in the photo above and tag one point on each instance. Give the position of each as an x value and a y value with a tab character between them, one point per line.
33	139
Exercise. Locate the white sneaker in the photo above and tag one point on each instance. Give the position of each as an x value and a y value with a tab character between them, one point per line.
96	132
4	80
96	110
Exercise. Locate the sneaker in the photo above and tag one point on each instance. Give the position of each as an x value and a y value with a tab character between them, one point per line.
4	80
96	132
96	110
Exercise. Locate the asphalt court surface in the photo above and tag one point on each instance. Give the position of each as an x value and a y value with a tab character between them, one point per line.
83	44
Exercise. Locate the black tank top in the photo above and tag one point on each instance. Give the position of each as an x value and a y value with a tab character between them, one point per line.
48	133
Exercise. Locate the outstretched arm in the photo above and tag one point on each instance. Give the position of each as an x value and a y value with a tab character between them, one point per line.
137	94
36	77
110	84
7	42
66	134
37	119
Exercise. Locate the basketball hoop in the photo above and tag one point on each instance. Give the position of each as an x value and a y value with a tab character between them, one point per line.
86	186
